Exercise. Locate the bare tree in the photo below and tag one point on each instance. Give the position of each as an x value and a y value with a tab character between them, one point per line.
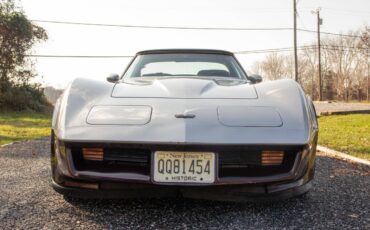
344	64
274	66
364	46
308	74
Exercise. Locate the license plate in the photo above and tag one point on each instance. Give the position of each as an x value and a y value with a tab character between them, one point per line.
184	167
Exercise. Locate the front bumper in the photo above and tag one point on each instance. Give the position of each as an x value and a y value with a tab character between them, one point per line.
70	181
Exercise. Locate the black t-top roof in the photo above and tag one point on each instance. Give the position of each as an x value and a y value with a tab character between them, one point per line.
169	51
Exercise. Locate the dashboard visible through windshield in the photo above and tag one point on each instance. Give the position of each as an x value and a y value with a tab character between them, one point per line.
185	64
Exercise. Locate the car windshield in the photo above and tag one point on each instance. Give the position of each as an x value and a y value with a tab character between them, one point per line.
185	65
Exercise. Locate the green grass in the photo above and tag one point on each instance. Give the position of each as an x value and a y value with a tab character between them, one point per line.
18	126
346	133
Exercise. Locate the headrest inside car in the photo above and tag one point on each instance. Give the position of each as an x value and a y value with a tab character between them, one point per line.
214	72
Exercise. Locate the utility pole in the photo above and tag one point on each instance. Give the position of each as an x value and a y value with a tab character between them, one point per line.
319	23
295	41
368	73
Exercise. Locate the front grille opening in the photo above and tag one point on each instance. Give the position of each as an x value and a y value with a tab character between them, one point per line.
128	156
255	163
112	160
233	161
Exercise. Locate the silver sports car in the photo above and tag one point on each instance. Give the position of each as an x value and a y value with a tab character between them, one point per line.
185	123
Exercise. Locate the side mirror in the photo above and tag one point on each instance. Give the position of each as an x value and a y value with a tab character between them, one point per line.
113	78
255	78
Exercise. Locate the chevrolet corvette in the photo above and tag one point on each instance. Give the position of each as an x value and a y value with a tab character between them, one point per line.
184	122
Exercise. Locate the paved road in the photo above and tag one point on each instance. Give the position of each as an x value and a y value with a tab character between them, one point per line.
324	107
340	199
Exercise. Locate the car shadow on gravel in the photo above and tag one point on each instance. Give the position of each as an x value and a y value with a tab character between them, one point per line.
172	212
175	203
338	198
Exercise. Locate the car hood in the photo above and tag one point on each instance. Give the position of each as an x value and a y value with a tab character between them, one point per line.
88	112
185	87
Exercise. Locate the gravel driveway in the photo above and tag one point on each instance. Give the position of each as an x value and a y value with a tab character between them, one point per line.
340	199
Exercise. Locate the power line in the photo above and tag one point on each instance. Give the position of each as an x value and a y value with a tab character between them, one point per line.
345	47
288	49
274	50
337	10
130	56
348	11
271	50
78	56
191	28
330	33
159	27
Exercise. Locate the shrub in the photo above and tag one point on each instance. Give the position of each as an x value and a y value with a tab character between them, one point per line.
24	97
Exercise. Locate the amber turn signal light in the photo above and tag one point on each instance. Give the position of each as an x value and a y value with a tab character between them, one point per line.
93	154
272	157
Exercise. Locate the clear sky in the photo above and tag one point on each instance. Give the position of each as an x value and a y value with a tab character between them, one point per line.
338	15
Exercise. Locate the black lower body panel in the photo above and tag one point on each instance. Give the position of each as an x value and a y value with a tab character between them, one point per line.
238	193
